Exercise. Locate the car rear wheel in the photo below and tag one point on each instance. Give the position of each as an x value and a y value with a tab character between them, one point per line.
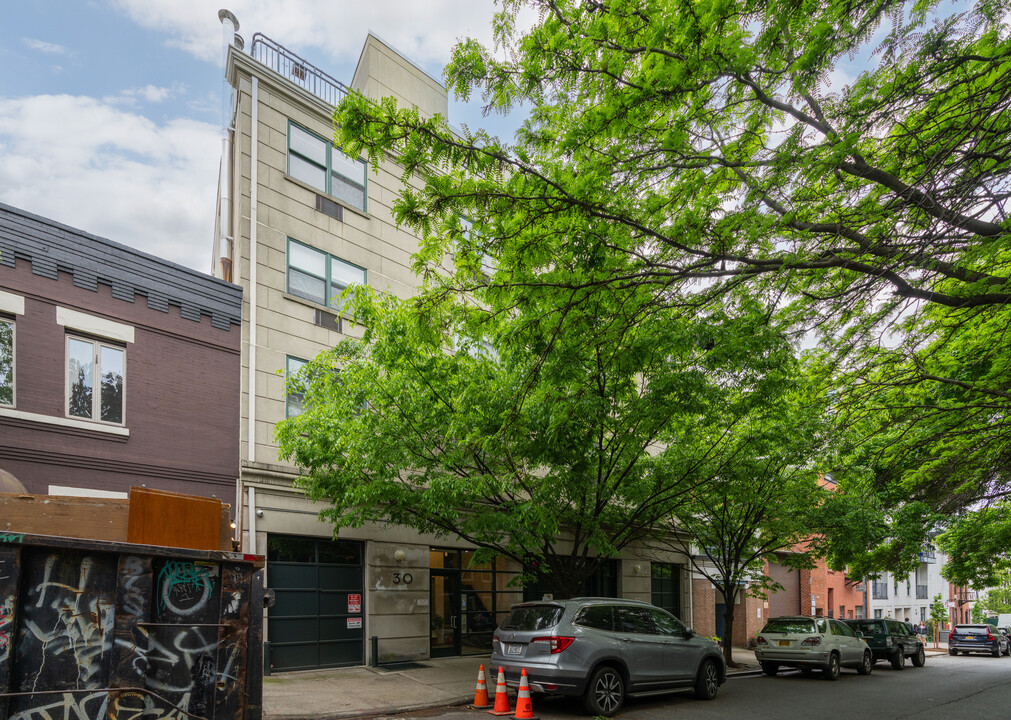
770	669
708	681
899	658
866	665
996	650
952	652
920	657
831	671
606	692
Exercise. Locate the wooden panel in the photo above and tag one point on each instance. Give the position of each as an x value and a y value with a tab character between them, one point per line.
173	520
79	517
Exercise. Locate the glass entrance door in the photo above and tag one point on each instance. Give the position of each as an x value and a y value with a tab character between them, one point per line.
445	613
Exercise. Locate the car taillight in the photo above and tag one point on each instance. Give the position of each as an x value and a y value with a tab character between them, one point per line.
557	644
762	640
951	635
988	635
494	639
812	641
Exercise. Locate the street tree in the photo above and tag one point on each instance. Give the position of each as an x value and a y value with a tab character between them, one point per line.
557	450
977	544
844	164
938	617
762	497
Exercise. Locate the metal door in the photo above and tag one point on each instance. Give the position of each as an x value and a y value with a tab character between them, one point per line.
444	620
318	616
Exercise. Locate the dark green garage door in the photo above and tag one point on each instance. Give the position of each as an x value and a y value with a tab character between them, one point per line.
318	616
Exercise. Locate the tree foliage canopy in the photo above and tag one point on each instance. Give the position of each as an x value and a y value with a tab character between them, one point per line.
705	151
460	422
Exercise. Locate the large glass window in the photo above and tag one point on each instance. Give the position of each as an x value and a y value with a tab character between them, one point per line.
96	375
318	276
318	163
6	362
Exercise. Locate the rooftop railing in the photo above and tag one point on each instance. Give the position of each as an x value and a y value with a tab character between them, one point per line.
299	71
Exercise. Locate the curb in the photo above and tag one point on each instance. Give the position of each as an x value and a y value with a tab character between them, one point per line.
374	711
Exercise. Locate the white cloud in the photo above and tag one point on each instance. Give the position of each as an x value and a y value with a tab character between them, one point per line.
117	174
45	47
424	31
149	93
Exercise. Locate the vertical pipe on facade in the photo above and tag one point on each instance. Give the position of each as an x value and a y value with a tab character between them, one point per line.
253	159
229	26
252	519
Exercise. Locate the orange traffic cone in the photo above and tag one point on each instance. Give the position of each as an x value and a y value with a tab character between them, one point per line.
481	692
524	707
501	697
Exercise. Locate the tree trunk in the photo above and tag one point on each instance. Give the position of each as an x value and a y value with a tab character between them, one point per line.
728	627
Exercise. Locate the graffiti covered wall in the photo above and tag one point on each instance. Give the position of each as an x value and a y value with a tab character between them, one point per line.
88	634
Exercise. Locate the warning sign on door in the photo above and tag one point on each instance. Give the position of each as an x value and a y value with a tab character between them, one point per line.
354	623
354	603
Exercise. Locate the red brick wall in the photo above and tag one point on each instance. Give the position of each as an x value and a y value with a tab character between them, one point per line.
703	607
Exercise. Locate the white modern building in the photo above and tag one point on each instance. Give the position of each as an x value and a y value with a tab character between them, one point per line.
298	220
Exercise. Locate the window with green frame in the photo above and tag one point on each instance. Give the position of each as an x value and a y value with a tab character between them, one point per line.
320	164
318	276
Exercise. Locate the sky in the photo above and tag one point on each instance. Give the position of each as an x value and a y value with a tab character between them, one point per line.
110	110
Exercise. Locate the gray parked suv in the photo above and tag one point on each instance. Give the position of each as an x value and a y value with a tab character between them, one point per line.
605	649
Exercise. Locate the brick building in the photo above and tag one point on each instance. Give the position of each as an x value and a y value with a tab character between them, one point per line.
116	368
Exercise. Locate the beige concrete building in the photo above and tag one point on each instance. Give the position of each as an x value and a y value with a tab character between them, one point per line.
297	221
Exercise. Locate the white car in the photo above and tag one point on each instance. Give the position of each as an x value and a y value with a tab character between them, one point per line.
812	643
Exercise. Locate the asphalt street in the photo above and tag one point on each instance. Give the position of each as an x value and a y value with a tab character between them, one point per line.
975	687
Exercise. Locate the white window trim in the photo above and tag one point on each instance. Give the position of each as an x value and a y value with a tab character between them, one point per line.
11	303
93	325
71	491
65	422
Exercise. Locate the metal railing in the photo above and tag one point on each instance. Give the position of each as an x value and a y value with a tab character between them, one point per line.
299	71
921	592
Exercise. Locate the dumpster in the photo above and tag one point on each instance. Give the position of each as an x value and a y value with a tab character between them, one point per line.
106	630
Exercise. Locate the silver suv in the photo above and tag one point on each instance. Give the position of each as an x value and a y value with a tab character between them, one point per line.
605	649
812	643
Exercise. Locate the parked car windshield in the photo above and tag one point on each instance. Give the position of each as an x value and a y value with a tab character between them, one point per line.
789	625
533	617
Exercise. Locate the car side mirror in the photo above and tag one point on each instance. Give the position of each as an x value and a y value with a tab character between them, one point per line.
689	633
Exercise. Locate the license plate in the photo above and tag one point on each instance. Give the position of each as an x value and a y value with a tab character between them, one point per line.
514	649
784	643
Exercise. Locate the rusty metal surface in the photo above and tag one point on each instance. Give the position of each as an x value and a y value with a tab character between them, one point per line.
120	631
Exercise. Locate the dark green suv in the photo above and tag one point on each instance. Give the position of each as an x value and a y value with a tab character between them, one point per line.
891	640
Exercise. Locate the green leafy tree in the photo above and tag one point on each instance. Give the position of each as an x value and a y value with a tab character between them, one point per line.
699	152
554	449
761	498
997	598
977	545
938	616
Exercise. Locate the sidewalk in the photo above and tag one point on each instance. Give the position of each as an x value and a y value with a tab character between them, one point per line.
364	691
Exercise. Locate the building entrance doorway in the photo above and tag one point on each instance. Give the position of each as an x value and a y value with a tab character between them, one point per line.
466	602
